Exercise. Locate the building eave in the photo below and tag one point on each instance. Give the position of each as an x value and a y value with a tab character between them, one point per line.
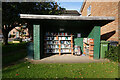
59	17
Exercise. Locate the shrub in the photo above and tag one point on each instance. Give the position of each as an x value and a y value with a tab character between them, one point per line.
12	36
112	53
18	39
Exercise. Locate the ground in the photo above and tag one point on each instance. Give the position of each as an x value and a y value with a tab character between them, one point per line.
43	70
67	58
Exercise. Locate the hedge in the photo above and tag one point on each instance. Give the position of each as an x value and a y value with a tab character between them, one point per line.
113	53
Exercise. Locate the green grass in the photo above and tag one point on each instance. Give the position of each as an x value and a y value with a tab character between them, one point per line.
80	70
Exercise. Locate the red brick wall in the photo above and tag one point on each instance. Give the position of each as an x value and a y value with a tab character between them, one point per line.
105	9
119	21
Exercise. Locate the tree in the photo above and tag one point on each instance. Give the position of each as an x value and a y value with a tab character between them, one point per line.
10	19
21	30
11	11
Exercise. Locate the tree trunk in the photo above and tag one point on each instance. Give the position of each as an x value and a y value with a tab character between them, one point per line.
5	35
30	30
5	31
5	38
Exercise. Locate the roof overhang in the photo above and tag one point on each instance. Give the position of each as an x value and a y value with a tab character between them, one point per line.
59	20
59	17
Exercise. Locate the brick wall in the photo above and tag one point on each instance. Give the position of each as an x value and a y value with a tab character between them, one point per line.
119	21
105	9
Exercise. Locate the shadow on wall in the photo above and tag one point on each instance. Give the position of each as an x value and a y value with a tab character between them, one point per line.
107	35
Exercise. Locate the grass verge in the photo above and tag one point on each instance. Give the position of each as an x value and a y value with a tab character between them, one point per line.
73	70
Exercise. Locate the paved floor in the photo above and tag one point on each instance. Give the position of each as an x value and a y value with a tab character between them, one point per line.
68	58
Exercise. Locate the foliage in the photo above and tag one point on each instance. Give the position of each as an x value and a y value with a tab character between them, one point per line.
112	54
12	36
18	39
61	70
11	11
21	32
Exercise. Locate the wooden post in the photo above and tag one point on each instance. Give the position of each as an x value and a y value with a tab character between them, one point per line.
71	45
36	42
59	48
91	48
45	46
84	45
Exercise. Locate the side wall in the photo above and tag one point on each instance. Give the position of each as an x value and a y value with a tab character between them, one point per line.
119	21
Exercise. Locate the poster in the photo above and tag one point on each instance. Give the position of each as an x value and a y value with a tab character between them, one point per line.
79	35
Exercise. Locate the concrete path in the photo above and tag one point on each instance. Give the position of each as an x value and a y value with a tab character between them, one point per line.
67	58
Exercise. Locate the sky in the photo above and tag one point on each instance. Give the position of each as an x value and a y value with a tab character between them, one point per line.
71	5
